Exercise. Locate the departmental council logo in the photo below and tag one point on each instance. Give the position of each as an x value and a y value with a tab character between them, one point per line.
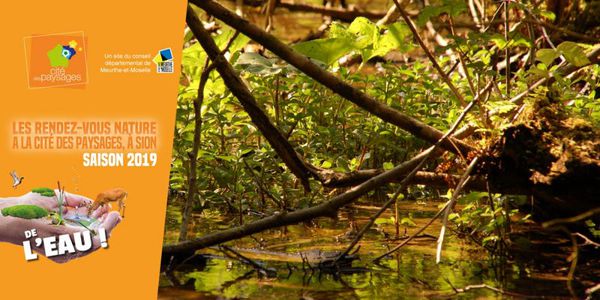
56	60
164	61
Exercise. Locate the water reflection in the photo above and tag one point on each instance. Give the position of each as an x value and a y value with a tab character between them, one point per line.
411	273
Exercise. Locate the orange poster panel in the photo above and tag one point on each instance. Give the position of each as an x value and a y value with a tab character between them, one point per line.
87	114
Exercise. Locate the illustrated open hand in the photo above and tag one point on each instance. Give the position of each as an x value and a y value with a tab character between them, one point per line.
12	229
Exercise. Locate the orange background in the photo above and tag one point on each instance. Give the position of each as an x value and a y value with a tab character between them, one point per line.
129	268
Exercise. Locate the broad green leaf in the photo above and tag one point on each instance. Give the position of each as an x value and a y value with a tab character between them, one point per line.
394	38
365	32
548	15
499	41
546	56
408	222
223	39
381	221
427	12
338	30
326	50
573	53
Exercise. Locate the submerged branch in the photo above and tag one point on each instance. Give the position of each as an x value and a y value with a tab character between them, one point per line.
326	209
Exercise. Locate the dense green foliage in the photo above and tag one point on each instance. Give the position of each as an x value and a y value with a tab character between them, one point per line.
239	171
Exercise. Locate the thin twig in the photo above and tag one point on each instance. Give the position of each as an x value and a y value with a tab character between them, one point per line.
592	290
267	271
574	219
462	59
414	235
411	175
491	288
465	178
434	62
507	50
586	240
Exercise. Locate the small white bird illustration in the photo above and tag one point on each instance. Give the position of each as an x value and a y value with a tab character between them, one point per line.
16	179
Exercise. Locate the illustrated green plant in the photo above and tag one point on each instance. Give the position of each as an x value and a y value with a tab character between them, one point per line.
46	192
60	198
25	211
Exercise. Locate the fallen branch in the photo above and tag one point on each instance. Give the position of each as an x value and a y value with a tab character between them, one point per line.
326	209
284	149
590	291
266	271
586	240
342	14
586	215
237	87
193	154
346	15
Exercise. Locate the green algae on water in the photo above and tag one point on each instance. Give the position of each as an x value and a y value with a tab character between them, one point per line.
46	192
25	211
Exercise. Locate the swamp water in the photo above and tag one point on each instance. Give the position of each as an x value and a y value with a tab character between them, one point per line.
410	274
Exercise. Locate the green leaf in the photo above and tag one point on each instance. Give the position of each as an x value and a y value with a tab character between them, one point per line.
408	222
426	13
548	15
546	56
326	50
223	39
388	165
381	221
573	53
365	32
394	38
338	30
501	107
499	40
451	7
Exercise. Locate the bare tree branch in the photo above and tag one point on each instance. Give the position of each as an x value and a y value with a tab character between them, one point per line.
237	87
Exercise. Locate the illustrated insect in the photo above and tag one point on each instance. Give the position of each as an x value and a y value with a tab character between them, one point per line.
16	179
114	195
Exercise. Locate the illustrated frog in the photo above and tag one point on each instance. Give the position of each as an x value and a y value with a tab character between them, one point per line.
113	195
56	218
